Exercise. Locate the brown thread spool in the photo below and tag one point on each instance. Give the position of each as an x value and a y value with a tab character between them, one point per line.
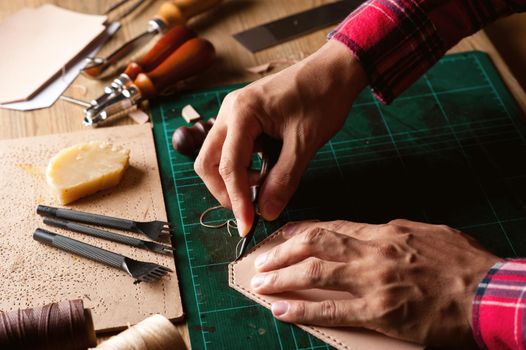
188	140
65	325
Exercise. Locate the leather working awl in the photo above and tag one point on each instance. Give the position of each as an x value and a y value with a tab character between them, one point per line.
178	54
171	13
165	46
192	57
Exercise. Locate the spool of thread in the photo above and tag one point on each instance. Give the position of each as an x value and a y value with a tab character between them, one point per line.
65	325
154	333
188	140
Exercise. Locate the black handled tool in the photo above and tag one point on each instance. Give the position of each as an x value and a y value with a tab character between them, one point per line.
110	236
140	270
152	229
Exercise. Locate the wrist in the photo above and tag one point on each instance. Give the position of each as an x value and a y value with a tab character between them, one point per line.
481	270
498	299
342	68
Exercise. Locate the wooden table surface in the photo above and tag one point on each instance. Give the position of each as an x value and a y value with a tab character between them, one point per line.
217	26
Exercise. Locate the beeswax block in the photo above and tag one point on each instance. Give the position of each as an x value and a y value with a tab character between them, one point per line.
84	169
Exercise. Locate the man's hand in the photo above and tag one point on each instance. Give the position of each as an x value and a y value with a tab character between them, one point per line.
303	106
408	280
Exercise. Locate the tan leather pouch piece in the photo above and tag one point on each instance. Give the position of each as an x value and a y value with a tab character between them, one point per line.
37	43
240	273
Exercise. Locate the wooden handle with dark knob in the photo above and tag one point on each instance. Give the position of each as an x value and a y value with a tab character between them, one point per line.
180	11
188	140
168	43
191	58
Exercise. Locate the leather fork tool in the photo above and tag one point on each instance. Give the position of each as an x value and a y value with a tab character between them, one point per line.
153	229
110	236
142	271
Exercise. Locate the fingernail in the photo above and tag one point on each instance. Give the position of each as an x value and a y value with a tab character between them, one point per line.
280	308
257	281
271	210
242	228
260	260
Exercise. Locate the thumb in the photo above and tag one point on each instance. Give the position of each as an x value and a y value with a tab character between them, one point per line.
283	178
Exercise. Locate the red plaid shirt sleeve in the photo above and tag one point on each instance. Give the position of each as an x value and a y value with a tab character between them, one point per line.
499	320
397	41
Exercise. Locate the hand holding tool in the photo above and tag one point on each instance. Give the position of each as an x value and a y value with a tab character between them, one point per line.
269	156
140	270
191	58
171	13
254	194
110	236
153	229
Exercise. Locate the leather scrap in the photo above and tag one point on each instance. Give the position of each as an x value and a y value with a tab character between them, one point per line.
37	43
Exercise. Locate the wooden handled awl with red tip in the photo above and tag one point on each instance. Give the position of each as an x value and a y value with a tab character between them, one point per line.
171	13
168	43
189	59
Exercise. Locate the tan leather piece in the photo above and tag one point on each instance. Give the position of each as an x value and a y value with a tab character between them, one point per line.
241	272
33	274
37	43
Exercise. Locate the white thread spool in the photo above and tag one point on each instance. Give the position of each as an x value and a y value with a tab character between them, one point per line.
154	333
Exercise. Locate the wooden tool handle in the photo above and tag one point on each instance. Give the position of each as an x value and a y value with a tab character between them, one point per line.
167	44
132	70
180	11
191	58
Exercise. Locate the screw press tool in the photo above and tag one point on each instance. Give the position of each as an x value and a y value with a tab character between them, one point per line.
171	13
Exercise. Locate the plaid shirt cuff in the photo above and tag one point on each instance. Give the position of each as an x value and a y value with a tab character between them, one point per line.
498	307
397	41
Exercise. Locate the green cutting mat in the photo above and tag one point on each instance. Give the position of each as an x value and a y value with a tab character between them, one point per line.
450	150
